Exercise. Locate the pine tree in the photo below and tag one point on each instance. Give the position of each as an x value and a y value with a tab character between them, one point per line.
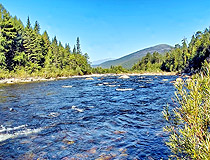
78	49
55	52
37	27
68	48
74	50
20	57
28	25
33	48
24	47
9	39
2	55
46	39
49	60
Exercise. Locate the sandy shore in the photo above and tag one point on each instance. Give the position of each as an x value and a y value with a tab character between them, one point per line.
40	79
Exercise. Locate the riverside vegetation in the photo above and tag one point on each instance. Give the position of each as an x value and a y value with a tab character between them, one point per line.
189	120
25	52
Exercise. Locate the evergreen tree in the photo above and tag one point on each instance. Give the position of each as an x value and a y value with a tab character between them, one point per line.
46	39
2	55
68	48
49	60
55	52
32	44
37	27
74	50
28	25
9	40
78	49
24	47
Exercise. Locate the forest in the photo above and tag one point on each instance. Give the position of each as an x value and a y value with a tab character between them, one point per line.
187	58
24	51
184	58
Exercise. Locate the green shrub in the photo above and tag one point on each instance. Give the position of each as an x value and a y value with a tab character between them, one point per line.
189	121
4	74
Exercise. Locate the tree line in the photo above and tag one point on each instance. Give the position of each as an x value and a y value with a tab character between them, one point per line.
186	58
24	50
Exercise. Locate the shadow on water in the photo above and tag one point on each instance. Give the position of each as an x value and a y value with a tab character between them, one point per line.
107	118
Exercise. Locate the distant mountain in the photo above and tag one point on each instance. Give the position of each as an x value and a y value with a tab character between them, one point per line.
129	60
98	62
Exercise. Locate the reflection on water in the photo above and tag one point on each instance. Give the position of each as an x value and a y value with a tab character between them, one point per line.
104	118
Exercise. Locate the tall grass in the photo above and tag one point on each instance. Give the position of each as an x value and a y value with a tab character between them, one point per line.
189	122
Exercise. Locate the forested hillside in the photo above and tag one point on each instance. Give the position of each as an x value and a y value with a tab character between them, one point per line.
183	58
24	51
129	60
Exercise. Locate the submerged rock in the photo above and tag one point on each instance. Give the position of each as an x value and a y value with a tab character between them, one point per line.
66	141
119	132
92	150
54	114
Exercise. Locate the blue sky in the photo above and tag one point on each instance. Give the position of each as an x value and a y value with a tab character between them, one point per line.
114	28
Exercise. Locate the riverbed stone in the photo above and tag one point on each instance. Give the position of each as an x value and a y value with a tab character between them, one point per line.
89	78
124	77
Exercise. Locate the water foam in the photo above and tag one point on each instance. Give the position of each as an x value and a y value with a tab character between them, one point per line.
4	132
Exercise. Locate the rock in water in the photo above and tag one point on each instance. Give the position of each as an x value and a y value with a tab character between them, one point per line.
89	78
66	86
124	89
77	109
124	77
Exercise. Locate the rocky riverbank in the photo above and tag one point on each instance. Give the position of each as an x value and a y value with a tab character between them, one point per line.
40	79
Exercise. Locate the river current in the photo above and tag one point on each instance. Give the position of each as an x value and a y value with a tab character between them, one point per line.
104	118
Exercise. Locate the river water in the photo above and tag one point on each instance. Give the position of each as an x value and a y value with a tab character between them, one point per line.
104	118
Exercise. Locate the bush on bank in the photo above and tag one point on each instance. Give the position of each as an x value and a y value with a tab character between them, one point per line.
189	121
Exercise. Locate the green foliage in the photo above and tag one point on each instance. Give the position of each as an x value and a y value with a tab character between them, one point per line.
129	60
9	40
24	51
175	60
150	63
78	47
112	69
183	58
189	122
189	58
4	74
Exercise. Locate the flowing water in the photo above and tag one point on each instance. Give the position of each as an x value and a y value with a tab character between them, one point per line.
104	118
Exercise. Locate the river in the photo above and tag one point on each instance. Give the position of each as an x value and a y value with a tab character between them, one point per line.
104	118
